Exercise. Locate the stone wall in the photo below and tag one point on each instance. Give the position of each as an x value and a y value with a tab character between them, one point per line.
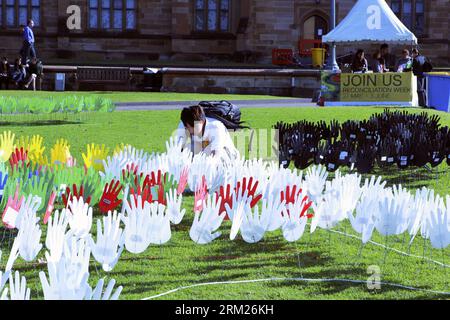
165	31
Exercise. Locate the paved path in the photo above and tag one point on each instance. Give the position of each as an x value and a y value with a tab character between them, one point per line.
276	103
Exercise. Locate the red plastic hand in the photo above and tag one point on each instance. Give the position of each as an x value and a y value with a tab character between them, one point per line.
250	188
109	200
131	169
161	195
156	180
145	193
68	197
50	207
291	197
19	156
227	198
13	206
200	196
183	180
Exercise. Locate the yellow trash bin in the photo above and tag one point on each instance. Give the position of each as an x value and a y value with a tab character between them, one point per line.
318	57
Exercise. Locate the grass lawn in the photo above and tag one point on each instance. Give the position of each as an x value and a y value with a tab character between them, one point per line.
323	255
116	96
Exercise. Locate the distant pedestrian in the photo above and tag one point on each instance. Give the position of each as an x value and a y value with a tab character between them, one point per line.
28	48
420	65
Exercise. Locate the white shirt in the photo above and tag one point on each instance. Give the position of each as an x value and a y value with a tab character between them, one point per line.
216	138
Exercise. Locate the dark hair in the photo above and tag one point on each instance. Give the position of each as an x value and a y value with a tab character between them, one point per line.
405	51
416	51
192	114
384	46
29	21
360	51
377	54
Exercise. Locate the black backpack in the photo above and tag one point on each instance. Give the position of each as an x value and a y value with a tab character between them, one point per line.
225	112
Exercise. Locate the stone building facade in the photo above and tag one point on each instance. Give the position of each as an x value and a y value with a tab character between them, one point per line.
197	30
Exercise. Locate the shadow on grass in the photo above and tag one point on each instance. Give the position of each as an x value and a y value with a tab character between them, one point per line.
37	123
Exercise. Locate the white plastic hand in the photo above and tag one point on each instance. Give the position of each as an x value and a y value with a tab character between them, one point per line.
109	243
61	286
271	213
18	288
113	167
56	234
252	227
391	219
174	207
98	293
159	232
80	221
137	225
203	230
29	236
294	225
31	204
315	179
363	223
325	213
237	218
438	226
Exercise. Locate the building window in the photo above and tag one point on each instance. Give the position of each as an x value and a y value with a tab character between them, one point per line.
212	15
14	13
112	14
411	13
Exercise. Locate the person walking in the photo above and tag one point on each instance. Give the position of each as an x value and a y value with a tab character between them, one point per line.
28	48
420	65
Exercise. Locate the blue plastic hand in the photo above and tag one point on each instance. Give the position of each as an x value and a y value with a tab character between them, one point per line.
3	181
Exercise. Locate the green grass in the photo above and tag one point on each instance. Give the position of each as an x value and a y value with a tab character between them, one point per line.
116	96
322	255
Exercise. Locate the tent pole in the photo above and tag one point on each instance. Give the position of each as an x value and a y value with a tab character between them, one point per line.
332	63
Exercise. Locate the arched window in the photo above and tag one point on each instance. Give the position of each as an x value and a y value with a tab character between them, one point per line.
411	13
14	13
112	14
212	15
314	27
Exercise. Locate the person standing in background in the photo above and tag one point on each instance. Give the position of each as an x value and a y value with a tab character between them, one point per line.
420	65
378	65
388	58
28	49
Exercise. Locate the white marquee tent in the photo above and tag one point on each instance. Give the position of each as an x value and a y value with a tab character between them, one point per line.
371	21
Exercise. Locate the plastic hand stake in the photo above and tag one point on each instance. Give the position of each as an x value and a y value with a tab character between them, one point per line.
11	211
203	230
174	210
252	227
18	288
109	242
159	231
137	225
294	225
50	207
183	181
80	221
56	234
109	200
200	196
98	293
